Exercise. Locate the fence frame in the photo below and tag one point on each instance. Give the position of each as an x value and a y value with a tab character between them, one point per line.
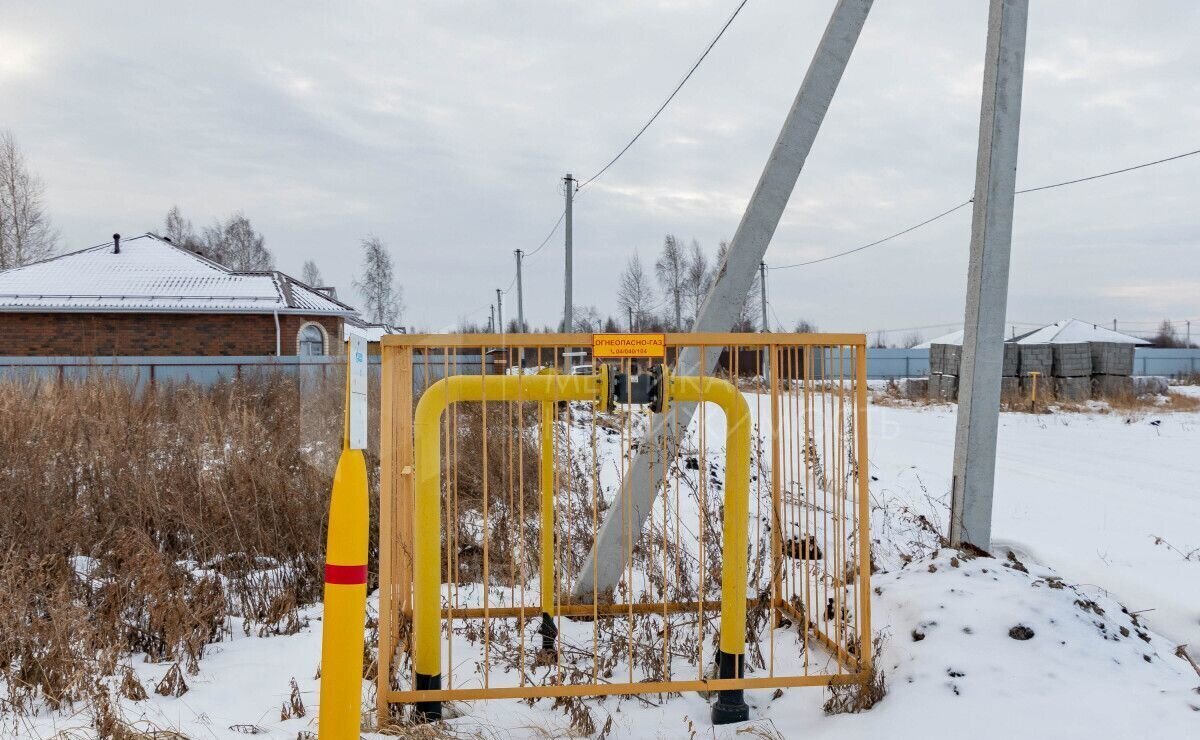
397	508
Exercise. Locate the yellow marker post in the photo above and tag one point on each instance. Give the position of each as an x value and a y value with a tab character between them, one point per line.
346	567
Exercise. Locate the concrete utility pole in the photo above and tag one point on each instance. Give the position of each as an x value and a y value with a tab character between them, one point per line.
987	276
499	313
568	306
520	295
734	278
762	293
492	319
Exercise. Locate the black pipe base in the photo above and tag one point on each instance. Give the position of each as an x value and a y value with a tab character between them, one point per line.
549	633
731	703
427	711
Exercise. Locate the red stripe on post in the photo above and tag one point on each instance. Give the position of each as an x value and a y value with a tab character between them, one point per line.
345	575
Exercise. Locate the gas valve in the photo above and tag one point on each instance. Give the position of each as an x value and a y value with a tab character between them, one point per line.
642	389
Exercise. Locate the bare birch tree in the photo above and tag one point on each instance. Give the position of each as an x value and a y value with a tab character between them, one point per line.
26	234
244	248
587	319
383	299
234	243
311	275
179	230
635	294
698	281
671	268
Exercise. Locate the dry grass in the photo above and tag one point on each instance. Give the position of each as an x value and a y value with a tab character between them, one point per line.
508	473
859	697
893	395
141	522
1125	405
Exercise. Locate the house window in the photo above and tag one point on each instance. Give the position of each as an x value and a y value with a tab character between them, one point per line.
311	340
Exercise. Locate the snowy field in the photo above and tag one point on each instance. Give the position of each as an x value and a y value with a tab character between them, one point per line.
1095	514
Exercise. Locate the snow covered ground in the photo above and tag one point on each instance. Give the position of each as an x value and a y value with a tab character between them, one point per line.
1096	511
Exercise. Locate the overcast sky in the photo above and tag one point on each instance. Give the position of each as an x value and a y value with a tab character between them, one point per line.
445	127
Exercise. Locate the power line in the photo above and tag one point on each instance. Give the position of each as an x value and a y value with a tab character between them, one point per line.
670	97
877	242
644	127
1106	174
778	323
553	230
648	123
943	214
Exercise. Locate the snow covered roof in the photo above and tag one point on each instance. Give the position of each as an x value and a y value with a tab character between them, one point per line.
152	275
373	332
954	337
1069	331
1074	330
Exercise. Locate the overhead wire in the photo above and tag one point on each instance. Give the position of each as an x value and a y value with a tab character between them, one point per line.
945	213
1107	174
650	121
553	230
877	242
670	97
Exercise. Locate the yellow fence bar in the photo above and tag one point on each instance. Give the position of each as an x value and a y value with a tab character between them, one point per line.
714	339
547	534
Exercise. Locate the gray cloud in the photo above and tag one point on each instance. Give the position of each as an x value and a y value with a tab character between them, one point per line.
444	127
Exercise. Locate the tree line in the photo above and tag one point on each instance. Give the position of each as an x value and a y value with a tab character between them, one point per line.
236	244
663	296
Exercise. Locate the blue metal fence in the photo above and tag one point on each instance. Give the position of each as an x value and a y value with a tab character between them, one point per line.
881	364
897	363
1169	362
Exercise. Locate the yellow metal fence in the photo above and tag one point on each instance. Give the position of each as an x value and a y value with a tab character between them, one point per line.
751	569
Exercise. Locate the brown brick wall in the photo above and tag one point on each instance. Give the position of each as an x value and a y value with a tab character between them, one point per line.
103	335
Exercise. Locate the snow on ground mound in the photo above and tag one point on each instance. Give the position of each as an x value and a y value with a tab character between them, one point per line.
981	647
999	648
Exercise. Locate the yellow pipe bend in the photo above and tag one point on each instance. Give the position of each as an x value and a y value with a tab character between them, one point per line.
548	388
427	505
735	530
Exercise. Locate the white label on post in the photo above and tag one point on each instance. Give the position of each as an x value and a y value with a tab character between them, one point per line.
358	392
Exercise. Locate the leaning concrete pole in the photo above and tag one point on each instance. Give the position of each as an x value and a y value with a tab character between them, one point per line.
724	301
987	276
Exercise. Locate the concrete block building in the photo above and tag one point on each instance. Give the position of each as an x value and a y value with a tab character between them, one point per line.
1073	360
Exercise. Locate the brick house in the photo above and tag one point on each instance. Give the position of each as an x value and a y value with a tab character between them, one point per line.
146	296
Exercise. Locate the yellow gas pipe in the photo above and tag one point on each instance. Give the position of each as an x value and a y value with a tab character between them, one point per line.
547	389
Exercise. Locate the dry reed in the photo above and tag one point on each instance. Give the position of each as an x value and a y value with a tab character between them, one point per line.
143	520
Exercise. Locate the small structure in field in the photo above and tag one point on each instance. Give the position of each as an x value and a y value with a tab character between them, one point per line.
1074	360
